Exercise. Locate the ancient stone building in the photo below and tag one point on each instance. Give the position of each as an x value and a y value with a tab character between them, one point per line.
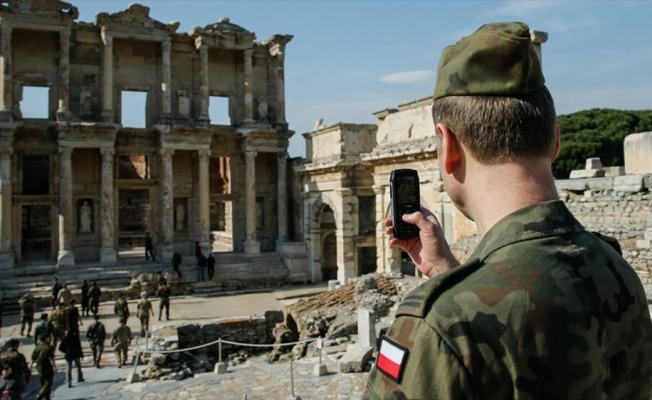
78	183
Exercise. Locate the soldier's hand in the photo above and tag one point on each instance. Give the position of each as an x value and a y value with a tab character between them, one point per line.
429	251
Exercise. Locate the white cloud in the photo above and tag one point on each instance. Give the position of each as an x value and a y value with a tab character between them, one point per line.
408	76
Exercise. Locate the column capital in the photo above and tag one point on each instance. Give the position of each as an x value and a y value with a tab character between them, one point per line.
248	53
204	154
166	154
251	153
6	30
166	45
282	154
107	152
65	151
107	39
64	34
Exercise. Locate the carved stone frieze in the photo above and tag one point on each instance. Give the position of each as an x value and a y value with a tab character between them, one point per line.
46	8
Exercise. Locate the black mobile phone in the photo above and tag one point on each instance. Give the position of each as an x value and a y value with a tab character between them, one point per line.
405	196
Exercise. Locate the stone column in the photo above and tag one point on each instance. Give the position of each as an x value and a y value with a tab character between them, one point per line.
166	46
167	204
251	245
280	87
6	71
107	74
66	255
63	112
282	197
108	253
203	80
6	215
204	211
248	78
345	248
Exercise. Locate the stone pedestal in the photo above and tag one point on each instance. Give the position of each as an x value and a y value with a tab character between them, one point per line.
252	246
108	256
220	368
65	258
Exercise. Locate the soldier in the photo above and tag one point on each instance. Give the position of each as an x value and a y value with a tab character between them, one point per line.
12	385
59	324
540	296
96	335
121	308
85	300
144	310
56	287
176	262
121	339
73	317
43	358
163	293
94	294
26	313
11	355
44	327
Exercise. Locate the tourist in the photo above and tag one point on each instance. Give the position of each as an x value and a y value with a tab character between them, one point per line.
64	295
202	264
85	299
149	247
10	354
12	385
94	294
73	317
56	287
144	310
44	327
164	293
210	263
71	347
542	308
176	262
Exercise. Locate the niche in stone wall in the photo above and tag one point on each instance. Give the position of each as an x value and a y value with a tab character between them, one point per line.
85	216
260	212
180	214
36	174
367	215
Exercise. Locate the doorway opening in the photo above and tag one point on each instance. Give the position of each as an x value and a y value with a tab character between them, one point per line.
36	228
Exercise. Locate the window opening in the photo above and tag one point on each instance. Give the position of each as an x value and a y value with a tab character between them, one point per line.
35	102
134	109
218	110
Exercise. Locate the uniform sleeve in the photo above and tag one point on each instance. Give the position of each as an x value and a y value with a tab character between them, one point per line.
430	369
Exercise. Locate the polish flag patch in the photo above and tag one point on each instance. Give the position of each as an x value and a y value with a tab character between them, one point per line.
391	359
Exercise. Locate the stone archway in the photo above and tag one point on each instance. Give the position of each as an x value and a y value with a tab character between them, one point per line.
329	256
322	222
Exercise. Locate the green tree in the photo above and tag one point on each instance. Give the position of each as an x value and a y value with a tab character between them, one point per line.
598	132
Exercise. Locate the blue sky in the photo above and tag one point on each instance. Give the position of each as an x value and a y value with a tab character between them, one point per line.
349	59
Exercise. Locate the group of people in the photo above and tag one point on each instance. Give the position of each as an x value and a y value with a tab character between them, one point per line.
204	263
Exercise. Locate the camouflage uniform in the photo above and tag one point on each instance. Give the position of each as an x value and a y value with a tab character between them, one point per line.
59	324
121	340
96	335
26	313
17	361
144	311
163	293
121	309
542	309
43	356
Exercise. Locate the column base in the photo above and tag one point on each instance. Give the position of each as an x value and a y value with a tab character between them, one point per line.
252	246
166	252
108	256
64	116
65	258
7	261
6	115
108	116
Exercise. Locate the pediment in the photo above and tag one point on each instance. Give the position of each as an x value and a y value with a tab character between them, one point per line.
135	18
43	8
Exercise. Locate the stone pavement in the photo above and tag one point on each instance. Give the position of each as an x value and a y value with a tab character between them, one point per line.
255	379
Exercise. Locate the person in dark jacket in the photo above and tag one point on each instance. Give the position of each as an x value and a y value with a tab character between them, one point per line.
71	347
12	384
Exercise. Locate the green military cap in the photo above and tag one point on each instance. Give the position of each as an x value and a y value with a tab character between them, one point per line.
498	59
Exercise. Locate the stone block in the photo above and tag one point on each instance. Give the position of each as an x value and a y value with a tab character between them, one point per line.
614	171
637	148
601	183
133	377
647	181
628	183
586	173
574	185
593	163
320	370
355	358
643	244
220	368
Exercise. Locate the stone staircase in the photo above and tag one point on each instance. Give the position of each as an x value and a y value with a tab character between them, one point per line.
234	272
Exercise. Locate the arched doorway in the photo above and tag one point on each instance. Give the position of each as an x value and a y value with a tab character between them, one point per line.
328	244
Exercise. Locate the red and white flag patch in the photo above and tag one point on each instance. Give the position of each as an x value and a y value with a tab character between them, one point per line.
391	359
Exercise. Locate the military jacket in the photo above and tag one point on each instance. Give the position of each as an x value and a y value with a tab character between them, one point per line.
121	308
18	361
59	320
42	355
542	309
121	335
43	328
94	293
96	333
144	308
164	293
26	306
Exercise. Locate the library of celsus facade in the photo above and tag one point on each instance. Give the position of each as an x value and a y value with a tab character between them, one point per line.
78	183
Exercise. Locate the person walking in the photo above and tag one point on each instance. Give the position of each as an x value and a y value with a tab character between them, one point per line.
10	354
59	324
121	307
210	266
176	262
85	300
543	308
12	385
65	295
144	310
71	347
56	287
26	303
120	340
96	334
73	317
44	327
94	294
149	247
164	293
43	358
